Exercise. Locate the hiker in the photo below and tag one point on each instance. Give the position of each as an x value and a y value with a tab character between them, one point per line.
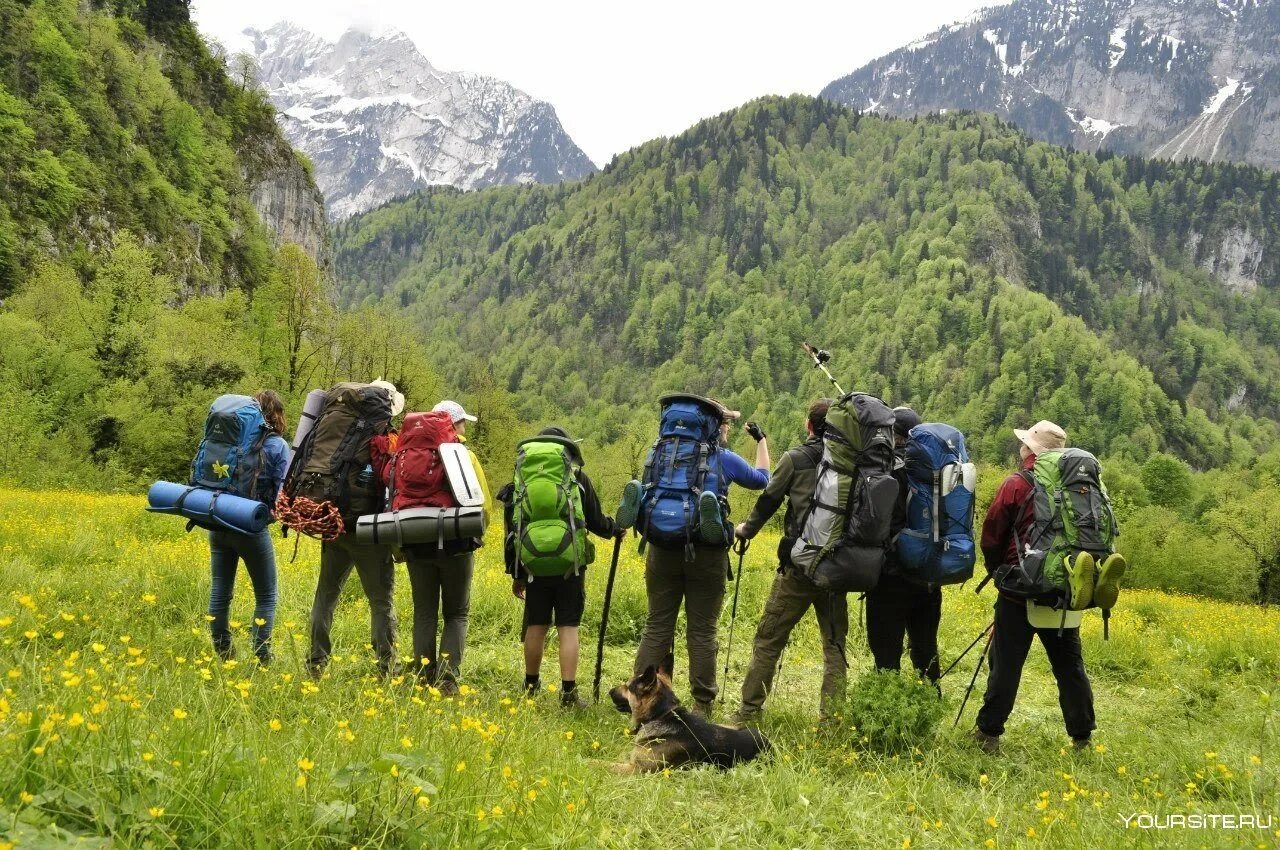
899	606
1009	520
440	580
794	479
685	526
353	414
227	548
553	588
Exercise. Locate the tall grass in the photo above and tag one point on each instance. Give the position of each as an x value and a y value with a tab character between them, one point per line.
118	727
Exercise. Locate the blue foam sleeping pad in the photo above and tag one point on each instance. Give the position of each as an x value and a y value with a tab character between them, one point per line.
208	508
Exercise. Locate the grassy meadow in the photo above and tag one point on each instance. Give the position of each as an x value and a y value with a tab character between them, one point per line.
119	729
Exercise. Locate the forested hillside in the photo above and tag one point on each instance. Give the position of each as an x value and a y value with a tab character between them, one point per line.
138	279
949	262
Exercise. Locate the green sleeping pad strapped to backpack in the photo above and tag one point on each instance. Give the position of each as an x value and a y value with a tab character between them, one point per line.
550	527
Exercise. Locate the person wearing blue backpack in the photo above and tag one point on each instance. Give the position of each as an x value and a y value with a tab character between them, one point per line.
899	606
680	509
244	453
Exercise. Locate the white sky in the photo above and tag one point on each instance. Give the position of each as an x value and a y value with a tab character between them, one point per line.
621	74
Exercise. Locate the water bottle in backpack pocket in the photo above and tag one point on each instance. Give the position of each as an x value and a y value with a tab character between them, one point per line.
936	546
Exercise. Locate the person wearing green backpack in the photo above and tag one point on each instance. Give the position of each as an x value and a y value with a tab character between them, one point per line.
1010	549
549	509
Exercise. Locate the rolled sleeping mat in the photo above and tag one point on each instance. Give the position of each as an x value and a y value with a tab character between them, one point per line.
311	408
413	526
210	509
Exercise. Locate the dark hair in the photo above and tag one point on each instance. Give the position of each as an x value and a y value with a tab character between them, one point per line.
818	415
554	431
272	409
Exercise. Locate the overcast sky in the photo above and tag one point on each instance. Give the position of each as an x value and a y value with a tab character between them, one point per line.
621	74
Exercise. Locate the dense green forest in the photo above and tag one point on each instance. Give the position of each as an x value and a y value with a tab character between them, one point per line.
138	281
950	263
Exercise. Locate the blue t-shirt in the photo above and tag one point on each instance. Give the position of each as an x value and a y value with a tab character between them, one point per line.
735	470
275	464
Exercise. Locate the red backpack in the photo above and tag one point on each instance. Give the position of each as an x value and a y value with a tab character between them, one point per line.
416	475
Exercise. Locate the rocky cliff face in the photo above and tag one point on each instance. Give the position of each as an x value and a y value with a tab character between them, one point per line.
284	193
378	120
1168	78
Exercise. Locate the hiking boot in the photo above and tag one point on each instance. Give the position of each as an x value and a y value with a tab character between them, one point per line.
447	687
1080	743
989	744
703	709
629	510
710	519
744	717
571	700
1107	589
1080	578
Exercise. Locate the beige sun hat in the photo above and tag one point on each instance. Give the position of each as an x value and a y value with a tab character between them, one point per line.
397	397
1044	436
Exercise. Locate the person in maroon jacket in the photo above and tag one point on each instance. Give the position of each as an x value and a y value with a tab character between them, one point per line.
1013	632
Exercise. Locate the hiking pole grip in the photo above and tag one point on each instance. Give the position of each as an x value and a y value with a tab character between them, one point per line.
604	618
820	358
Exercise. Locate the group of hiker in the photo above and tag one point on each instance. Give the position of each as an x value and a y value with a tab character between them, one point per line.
878	502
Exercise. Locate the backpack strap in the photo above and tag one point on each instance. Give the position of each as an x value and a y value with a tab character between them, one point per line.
567	486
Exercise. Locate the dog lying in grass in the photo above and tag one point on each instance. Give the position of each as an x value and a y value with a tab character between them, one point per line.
669	735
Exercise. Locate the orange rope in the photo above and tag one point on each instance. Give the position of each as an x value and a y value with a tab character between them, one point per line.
314	519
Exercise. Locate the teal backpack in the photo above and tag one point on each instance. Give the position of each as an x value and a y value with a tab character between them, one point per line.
549	527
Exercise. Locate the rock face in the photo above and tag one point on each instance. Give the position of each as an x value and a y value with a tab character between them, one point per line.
284	193
1166	78
379	121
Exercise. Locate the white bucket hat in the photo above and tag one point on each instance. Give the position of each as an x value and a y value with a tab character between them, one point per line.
1044	436
397	398
455	411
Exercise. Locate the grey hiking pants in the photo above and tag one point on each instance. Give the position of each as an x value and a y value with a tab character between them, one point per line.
377	576
441	585
791	596
699	584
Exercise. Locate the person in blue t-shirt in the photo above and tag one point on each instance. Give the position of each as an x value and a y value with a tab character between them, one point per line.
671	576
227	548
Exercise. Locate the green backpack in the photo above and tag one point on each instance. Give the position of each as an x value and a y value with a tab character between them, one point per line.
550	527
1071	514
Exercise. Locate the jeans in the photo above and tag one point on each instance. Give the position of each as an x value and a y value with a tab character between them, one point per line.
377	576
791	596
440	585
226	550
898	608
699	584
1009	647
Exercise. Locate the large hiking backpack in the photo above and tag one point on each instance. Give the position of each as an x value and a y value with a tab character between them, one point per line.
842	547
1071	513
681	465
416	476
327	475
230	455
549	528
936	545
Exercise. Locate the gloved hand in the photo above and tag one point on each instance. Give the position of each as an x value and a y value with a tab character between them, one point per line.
757	433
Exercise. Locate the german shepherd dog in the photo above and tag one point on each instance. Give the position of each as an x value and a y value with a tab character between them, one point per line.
669	735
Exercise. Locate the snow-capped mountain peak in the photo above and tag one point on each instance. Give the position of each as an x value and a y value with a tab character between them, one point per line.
379	120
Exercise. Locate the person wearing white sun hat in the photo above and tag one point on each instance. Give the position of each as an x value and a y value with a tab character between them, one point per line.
440	579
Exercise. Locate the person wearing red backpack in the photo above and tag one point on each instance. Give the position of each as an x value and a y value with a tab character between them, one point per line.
409	464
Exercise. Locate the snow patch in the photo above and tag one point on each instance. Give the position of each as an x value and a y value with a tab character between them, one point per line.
1222	96
1099	127
1118	45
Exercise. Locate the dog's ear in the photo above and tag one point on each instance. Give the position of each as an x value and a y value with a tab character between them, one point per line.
668	665
648	678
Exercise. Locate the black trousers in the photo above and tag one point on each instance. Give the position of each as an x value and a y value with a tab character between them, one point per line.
899	608
1009	647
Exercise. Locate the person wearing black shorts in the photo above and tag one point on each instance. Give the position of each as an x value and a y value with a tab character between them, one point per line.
559	600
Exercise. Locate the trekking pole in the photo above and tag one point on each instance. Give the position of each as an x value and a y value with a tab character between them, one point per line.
740	547
967	649
604	617
974	680
820	358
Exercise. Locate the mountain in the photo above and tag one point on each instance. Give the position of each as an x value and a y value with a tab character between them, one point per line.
1165	78
378	120
950	262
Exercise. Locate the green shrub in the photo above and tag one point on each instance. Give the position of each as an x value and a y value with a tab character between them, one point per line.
893	712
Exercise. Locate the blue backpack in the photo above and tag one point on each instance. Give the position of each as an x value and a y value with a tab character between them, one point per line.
936	546
230	455
681	465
